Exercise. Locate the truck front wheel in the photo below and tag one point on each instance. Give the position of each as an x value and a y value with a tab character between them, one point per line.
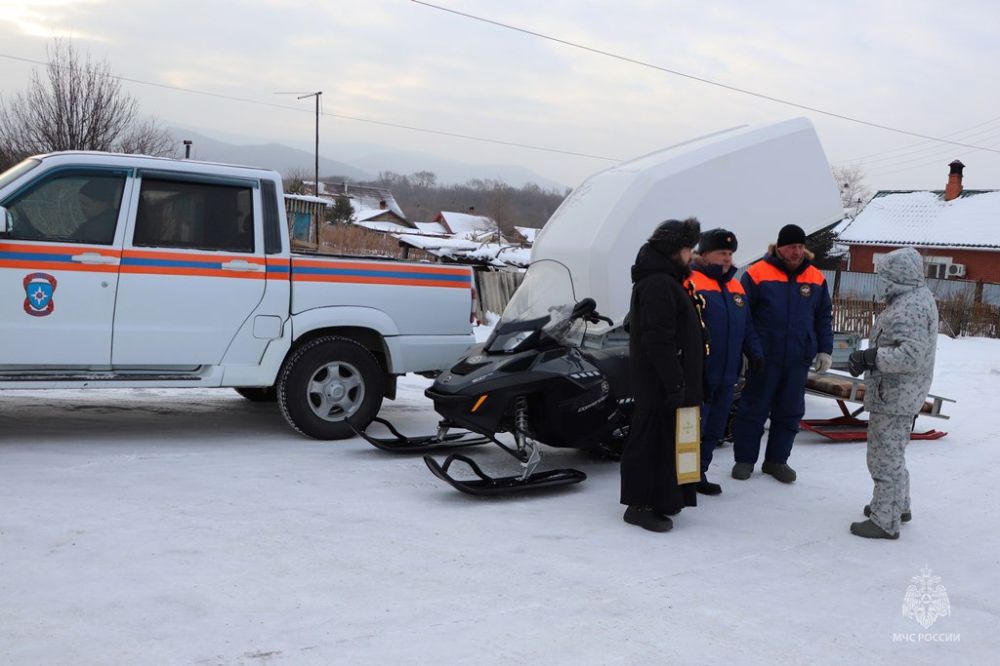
327	381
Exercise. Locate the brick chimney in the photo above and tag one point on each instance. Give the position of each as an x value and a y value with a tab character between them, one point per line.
954	187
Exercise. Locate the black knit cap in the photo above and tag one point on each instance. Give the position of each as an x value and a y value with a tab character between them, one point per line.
791	234
672	235
717	239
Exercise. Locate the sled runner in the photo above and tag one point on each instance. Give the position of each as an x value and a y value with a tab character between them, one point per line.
486	485
400	443
848	427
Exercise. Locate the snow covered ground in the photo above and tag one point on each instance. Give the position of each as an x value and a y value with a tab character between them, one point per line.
194	527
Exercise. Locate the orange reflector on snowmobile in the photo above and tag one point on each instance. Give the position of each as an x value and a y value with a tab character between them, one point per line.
479	402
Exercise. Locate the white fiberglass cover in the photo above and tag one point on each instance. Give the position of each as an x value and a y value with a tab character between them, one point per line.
750	180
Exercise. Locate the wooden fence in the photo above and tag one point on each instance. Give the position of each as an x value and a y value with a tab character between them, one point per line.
495	289
958	316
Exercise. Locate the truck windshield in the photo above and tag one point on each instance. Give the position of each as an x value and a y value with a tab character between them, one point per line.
16	171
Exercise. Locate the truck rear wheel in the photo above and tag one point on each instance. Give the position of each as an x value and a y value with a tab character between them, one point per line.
328	381
258	394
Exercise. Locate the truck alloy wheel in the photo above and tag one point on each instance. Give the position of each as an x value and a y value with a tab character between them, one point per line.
327	381
335	391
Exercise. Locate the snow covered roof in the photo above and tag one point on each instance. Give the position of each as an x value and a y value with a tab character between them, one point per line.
310	199
925	219
389	227
361	196
529	233
431	228
362	214
463	250
464	224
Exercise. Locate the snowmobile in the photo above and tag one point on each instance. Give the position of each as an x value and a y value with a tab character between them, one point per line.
535	379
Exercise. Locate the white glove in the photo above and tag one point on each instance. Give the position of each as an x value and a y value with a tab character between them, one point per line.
823	362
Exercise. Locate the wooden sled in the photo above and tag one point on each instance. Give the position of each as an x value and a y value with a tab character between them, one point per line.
848	427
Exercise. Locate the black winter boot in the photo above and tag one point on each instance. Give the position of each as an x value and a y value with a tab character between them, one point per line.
706	487
780	471
647	519
905	517
742	471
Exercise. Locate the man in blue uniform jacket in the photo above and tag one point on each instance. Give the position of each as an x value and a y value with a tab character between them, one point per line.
792	314
731	334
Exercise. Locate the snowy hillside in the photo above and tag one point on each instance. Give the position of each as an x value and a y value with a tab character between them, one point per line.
194	527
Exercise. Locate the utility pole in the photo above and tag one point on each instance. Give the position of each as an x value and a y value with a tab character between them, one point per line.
302	95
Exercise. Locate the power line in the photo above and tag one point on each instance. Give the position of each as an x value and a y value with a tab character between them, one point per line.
700	79
967	131
341	116
985	137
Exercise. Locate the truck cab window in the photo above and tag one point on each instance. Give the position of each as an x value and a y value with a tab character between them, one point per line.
197	216
73	208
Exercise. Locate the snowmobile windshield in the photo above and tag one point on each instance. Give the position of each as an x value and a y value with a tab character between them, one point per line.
540	309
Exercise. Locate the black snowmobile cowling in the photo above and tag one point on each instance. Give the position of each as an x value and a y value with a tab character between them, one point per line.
577	392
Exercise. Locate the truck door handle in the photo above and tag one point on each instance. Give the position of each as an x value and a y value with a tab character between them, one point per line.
240	265
94	258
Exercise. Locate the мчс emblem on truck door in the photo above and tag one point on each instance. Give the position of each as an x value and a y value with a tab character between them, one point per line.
39	289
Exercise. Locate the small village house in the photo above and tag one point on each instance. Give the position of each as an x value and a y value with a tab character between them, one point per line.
956	230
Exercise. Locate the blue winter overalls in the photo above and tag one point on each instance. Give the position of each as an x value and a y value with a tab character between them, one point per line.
792	314
731	334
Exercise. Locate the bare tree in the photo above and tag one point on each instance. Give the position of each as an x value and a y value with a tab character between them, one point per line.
76	104
423	179
294	182
854	194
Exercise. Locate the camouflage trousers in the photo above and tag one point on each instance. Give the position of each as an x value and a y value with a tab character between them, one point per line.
888	435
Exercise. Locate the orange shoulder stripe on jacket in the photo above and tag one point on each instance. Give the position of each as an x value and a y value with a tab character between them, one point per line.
764	271
702	282
811	275
735	287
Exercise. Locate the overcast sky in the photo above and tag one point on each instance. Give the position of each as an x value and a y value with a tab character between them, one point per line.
924	66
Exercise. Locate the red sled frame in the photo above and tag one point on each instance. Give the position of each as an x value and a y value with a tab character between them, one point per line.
849	428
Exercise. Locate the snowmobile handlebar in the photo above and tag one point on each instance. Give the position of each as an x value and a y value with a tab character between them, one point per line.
586	309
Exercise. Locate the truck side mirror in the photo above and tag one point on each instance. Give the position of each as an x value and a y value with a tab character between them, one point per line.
6	221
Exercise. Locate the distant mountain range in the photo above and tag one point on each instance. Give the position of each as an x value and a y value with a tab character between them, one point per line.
355	161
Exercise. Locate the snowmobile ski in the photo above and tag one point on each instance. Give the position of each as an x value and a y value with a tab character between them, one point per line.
487	485
400	443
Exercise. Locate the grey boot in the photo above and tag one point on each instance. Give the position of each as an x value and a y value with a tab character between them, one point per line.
905	517
780	471
742	471
870	530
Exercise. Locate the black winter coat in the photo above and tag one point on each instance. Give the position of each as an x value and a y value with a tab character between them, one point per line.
666	348
666	344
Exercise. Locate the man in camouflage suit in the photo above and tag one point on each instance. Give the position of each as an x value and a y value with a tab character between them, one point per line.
899	366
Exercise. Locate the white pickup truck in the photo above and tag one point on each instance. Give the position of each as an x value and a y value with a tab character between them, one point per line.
129	271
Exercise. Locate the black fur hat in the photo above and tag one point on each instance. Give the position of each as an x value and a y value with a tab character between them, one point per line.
717	239
672	235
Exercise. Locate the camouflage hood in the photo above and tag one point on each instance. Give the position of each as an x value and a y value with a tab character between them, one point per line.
901	271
